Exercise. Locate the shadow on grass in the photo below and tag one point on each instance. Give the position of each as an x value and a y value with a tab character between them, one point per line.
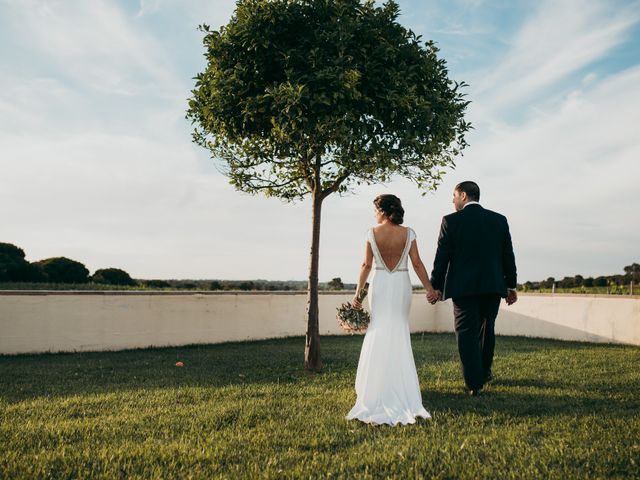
279	361
27	377
532	402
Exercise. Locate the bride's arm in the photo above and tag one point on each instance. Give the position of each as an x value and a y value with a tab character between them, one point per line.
420	269
365	269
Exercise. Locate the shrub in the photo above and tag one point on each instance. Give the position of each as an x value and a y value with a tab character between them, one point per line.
600	282
64	270
156	284
247	286
113	276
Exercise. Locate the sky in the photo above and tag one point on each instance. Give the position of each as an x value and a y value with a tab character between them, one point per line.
97	163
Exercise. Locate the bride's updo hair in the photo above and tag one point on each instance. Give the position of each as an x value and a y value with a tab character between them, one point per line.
391	206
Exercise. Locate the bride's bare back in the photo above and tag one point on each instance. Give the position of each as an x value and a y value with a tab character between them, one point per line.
391	241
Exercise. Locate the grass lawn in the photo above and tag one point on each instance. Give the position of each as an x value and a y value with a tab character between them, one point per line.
247	410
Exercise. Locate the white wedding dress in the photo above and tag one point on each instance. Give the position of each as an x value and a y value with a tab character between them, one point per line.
387	386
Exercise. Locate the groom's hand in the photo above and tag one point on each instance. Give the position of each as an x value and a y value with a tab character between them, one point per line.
433	296
512	297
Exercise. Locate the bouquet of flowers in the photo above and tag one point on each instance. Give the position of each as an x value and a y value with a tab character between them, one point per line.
354	321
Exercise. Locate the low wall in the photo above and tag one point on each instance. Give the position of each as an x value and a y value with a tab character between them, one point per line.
33	322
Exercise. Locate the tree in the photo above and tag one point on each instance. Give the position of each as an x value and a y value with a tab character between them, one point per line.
632	272
548	283
215	285
64	270
14	267
309	98
567	282
616	280
601	281
588	282
156	283
113	276
247	286
336	284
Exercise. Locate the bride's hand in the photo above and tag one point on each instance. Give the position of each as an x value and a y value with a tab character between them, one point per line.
355	304
433	296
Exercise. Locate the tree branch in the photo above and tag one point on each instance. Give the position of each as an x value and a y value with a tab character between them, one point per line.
271	184
336	184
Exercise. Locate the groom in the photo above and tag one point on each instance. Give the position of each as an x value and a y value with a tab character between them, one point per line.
475	266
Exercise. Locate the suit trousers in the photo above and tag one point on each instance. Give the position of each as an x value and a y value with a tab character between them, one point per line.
475	318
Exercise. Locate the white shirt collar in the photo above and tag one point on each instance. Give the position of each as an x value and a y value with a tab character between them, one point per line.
471	203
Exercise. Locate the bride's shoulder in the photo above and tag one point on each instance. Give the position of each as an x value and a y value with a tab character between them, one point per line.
369	233
411	232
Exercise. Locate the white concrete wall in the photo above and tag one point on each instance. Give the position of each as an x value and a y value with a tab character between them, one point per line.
54	321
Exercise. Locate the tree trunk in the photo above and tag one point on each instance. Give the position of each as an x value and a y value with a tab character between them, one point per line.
312	360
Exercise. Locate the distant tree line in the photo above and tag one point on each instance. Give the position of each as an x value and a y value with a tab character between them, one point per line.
15	268
631	274
54	272
273	285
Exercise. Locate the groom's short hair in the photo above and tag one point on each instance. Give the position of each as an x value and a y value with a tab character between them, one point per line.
471	189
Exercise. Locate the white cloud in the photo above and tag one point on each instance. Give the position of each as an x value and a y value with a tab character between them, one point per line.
93	44
571	171
560	39
212	12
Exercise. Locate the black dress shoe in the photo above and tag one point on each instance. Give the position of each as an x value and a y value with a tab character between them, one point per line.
489	377
474	392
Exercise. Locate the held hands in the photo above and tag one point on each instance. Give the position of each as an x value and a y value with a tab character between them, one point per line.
433	296
512	297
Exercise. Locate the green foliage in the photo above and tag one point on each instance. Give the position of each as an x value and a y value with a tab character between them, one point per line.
335	284
302	96
566	282
632	273
112	276
601	281
557	410
64	270
14	267
247	286
155	283
11	259
611	284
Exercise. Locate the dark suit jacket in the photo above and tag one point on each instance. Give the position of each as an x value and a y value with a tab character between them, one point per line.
474	255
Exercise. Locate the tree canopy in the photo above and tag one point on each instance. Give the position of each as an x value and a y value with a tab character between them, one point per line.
291	82
64	270
112	276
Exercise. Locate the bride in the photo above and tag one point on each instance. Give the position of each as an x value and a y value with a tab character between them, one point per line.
387	386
